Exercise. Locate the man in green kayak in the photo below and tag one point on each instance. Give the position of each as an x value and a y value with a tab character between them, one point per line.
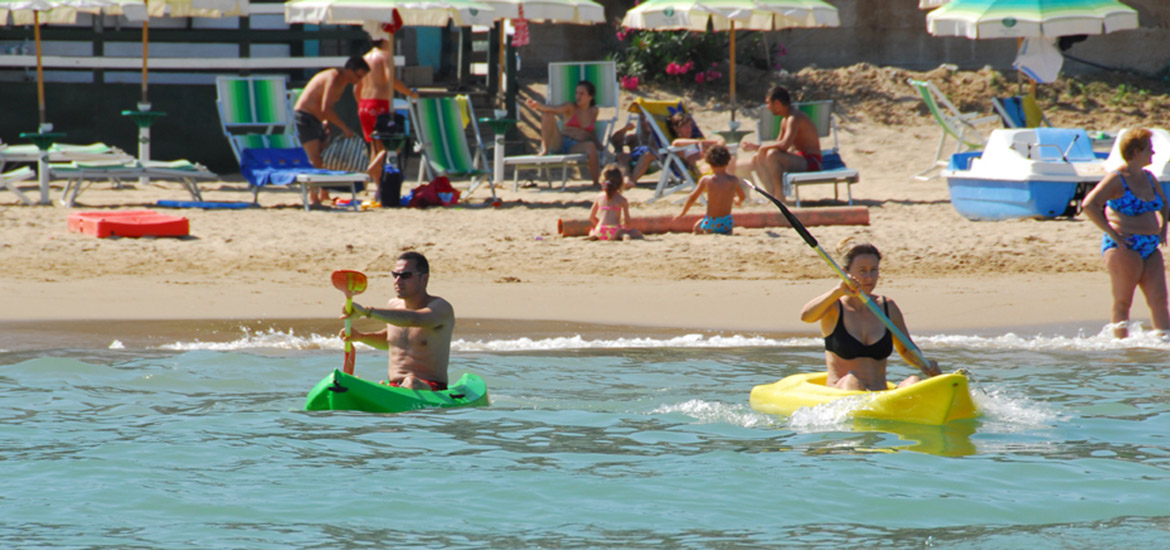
418	328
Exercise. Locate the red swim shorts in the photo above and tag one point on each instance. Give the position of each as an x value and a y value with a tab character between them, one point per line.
368	111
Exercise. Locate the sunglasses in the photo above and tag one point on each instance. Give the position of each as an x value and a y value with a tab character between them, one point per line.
404	275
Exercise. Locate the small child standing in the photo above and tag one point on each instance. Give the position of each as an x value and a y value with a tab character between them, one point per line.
609	208
722	190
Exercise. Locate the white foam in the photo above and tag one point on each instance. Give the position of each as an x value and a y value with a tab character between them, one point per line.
712	412
578	342
1139	338
265	339
1102	341
289	340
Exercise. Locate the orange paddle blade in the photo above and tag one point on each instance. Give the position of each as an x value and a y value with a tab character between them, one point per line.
349	282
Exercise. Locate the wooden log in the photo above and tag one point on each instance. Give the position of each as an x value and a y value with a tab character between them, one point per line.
649	225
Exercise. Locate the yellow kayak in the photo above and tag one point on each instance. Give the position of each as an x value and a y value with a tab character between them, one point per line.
935	401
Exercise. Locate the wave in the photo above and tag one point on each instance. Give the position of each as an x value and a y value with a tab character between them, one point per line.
289	340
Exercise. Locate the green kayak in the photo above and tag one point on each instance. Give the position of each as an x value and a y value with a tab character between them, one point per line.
344	392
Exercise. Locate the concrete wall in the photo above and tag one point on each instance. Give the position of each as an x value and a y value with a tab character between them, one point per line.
883	32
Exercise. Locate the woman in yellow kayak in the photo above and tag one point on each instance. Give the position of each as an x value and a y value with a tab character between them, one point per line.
848	325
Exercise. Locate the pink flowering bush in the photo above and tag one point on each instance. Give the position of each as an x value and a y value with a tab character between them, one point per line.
655	55
630	82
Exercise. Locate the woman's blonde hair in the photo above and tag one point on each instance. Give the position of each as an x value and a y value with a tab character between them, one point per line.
849	249
1134	141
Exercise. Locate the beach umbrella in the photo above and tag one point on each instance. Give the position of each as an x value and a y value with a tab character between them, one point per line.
36	12
1034	23
143	10
978	19
730	15
411	13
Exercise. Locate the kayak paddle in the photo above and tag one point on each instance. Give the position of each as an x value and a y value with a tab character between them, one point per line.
812	242
351	283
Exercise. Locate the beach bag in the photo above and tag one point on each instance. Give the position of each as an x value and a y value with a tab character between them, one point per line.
438	192
346	154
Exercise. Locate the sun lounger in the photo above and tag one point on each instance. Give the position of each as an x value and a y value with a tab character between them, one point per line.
1019	112
674	173
279	167
963	127
79	175
82	165
443	125
256	119
833	170
562	87
9	179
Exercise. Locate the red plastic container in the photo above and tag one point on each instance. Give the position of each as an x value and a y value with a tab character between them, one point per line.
129	223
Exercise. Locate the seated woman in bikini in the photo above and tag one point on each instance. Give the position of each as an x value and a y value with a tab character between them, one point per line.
1129	206
609	208
577	136
857	343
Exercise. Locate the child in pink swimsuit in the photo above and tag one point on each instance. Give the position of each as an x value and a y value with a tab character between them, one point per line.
608	209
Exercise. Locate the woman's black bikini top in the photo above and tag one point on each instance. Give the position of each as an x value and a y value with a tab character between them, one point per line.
846	346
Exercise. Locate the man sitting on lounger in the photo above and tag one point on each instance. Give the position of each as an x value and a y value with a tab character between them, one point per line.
315	107
796	149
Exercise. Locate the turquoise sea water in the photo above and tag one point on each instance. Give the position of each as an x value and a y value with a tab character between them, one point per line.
590	442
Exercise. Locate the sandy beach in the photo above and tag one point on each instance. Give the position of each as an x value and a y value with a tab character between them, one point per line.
948	273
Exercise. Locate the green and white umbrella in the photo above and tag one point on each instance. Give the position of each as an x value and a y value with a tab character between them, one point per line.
730	15
977	19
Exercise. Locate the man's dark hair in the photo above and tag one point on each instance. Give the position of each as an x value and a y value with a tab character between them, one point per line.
779	93
356	63
419	261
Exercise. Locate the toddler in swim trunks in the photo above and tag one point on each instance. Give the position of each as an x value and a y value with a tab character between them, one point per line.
722	190
609	209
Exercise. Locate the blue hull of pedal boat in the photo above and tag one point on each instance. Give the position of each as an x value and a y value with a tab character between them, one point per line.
1024	173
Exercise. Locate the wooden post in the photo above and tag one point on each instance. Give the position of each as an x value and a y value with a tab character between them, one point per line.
145	48
732	71
40	70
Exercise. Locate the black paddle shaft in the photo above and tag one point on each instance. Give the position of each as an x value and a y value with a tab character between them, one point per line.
795	223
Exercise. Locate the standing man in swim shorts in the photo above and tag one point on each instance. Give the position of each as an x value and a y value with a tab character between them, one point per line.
314	108
375	93
797	148
418	328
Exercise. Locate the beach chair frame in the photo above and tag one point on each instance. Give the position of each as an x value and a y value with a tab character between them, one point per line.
8	180
823	116
255	113
80	175
674	173
441	123
562	85
953	122
1014	111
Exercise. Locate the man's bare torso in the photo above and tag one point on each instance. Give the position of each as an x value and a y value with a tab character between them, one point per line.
804	133
423	352
313	100
376	84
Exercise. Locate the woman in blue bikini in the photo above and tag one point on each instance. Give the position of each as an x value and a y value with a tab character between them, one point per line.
847	324
1131	208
